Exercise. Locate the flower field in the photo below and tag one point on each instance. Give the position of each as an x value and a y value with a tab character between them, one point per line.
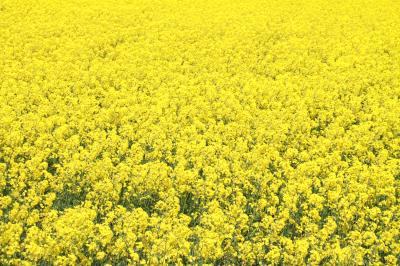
209	132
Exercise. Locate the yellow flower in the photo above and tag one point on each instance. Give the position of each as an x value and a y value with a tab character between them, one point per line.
199	132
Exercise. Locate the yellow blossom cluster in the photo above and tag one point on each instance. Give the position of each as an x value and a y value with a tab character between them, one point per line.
224	132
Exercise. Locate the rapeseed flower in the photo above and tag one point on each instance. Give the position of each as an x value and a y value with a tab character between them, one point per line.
210	132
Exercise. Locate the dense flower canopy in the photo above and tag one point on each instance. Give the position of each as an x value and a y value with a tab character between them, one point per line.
199	132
